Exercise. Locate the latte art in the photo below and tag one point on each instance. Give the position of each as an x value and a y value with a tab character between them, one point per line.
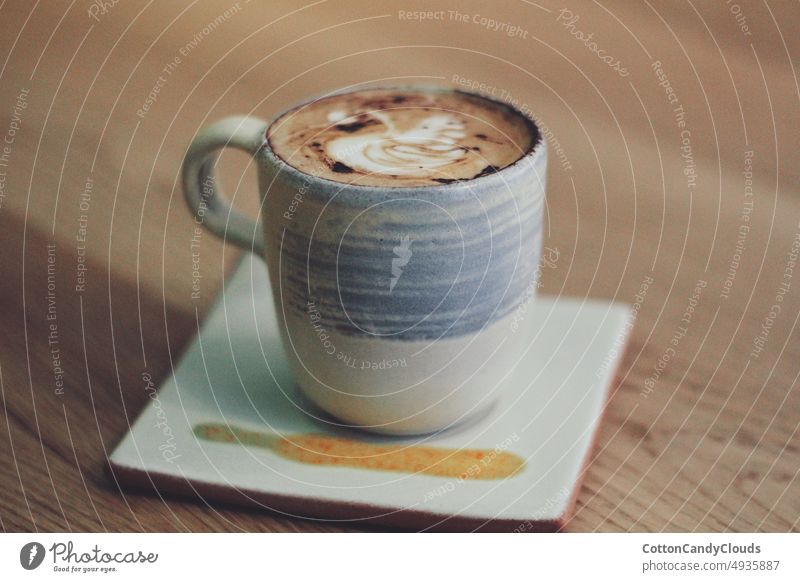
408	137
418	151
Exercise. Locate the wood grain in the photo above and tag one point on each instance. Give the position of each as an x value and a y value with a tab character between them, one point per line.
705	440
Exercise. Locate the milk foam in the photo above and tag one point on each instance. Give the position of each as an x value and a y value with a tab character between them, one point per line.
401	137
419	151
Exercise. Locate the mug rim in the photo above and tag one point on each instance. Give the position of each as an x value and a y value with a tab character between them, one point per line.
501	176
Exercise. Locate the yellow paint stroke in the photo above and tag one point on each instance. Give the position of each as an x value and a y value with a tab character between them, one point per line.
319	449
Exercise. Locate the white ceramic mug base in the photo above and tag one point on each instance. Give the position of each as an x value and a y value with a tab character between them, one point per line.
464	378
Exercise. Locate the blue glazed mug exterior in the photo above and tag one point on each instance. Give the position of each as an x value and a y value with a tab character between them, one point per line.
398	307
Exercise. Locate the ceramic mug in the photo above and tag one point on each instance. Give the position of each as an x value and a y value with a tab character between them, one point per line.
398	306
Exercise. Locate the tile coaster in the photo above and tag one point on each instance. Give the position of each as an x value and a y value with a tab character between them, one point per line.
229	426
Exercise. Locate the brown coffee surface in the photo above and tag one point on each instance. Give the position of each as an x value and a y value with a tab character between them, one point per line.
401	137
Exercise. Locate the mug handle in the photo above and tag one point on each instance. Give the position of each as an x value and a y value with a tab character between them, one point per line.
205	198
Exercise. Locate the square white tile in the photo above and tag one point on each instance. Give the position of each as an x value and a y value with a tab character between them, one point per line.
233	377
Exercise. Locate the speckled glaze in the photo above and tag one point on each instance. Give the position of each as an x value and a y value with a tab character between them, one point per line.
396	304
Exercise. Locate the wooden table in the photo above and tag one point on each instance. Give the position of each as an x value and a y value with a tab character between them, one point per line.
674	163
